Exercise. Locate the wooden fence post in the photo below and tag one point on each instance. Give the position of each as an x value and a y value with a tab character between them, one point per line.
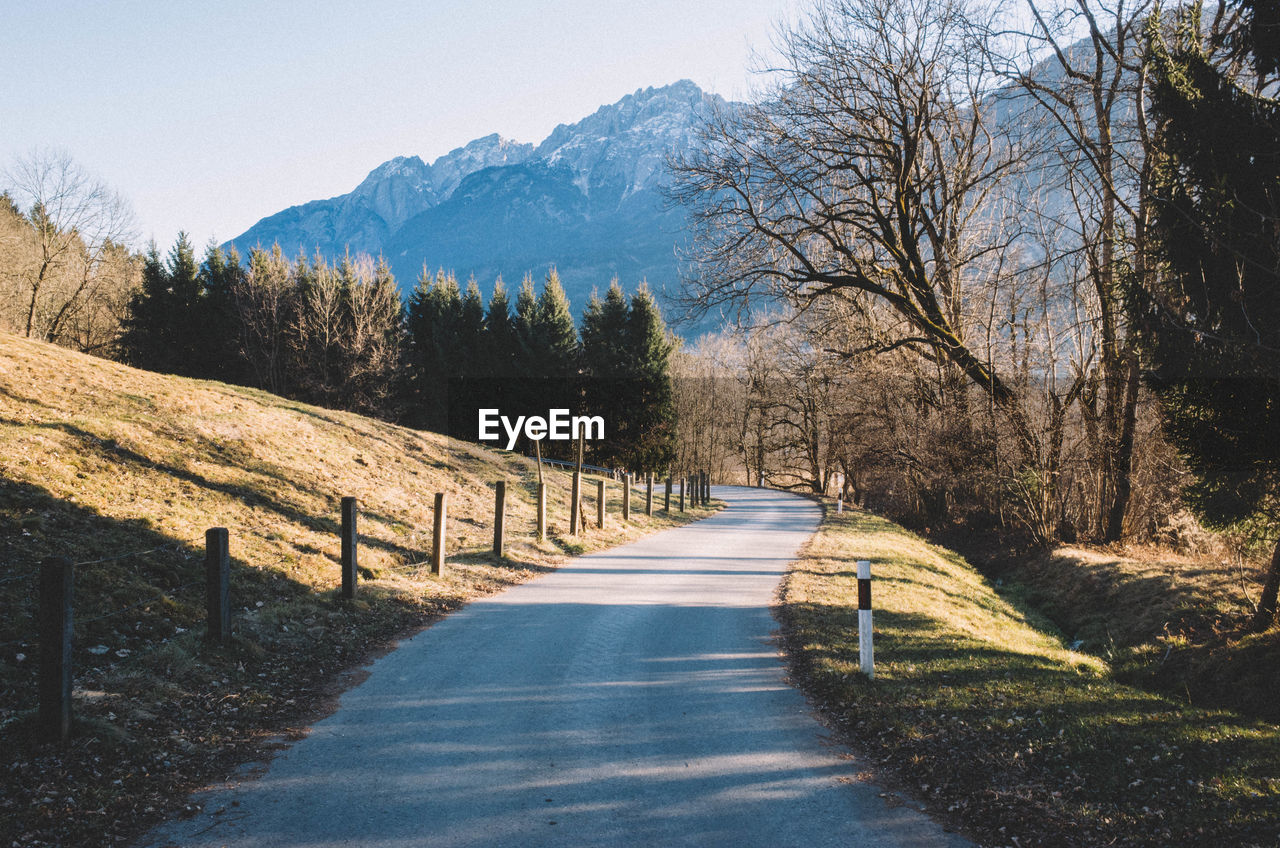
648	494
437	538
666	506
683	481
217	585
575	505
499	513
600	511
542	512
57	589
349	544
626	497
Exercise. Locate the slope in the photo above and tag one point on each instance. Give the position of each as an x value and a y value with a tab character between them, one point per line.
986	719
122	471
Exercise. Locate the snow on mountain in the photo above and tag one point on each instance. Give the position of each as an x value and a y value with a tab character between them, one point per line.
586	200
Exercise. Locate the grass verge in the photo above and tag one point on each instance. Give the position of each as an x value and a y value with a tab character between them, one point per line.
981	716
122	471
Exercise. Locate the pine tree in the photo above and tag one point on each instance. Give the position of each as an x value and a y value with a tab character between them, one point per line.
144	335
431	354
500	335
163	331
608	372
1211	326
220	276
466	379
652	446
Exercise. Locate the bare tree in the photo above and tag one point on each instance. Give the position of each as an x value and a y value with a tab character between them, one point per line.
1080	70
864	176
78	224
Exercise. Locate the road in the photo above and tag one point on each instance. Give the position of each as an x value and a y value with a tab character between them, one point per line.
633	697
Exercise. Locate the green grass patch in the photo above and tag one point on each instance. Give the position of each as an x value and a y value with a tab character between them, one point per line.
980	714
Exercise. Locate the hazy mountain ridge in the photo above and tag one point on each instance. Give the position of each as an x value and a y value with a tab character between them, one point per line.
587	200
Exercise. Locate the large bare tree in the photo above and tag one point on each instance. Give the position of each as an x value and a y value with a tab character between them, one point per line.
870	176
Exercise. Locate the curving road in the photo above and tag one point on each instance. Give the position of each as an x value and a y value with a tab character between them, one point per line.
634	697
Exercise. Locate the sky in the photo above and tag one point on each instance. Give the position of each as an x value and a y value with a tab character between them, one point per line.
208	116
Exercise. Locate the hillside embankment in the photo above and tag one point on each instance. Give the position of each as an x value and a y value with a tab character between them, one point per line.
122	471
982	714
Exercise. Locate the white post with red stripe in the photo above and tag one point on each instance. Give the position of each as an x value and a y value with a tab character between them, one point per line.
864	619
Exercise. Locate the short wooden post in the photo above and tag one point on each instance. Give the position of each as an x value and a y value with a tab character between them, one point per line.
542	512
648	494
865	651
349	543
683	482
437	537
626	497
499	514
217	585
575	505
600	503
57	589
666	506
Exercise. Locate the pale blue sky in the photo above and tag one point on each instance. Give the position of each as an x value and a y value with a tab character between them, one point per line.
210	115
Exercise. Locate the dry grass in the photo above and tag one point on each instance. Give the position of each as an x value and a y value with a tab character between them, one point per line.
980	714
1174	623
99	460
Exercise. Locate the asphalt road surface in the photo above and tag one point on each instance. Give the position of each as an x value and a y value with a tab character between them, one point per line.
634	697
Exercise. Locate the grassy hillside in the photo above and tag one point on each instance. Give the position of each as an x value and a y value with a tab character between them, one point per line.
1174	623
122	471
982	716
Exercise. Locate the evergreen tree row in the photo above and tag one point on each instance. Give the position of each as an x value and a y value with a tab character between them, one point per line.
338	335
463	356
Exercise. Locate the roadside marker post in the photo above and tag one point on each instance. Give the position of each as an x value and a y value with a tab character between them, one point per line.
865	651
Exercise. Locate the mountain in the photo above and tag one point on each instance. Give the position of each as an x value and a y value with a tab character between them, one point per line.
586	200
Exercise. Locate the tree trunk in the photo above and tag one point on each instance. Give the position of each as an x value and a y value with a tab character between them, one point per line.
1266	614
1122	466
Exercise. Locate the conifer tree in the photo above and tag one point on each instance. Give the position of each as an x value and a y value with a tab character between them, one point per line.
608	371
164	330
651	446
431	354
500	334
1211	325
466	389
146	335
220	276
500	357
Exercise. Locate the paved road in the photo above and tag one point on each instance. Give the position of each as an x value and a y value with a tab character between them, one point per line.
633	697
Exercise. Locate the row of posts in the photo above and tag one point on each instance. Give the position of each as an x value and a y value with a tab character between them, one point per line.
57	580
